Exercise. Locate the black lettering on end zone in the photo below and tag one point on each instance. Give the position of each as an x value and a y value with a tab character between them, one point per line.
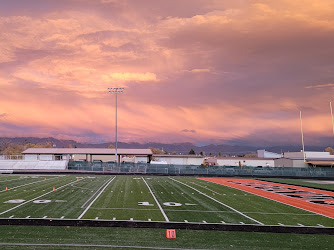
331	203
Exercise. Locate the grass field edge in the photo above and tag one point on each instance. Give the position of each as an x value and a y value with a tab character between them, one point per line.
168	225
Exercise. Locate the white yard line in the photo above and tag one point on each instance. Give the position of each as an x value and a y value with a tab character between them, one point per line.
26	184
162	211
218	201
105	183
206	188
35	198
83	213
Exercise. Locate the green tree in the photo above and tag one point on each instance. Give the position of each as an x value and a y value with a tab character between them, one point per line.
330	150
192	152
157	151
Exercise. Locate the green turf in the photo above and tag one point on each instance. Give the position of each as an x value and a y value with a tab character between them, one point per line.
91	238
124	197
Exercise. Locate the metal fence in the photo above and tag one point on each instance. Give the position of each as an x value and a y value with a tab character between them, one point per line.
111	167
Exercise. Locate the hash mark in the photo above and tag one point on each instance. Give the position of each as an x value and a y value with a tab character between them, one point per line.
11	216
131	218
44	217
28	217
185	221
114	218
280	224
96	218
223	222
242	222
321	225
62	217
300	225
149	220
204	221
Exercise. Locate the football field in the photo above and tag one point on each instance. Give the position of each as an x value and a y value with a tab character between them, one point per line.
148	198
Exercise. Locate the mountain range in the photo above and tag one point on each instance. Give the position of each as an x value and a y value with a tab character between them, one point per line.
180	148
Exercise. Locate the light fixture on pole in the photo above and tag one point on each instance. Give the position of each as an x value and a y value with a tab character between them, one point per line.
116	91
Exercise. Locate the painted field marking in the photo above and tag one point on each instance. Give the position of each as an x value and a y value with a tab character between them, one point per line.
11	216
265	195
114	218
28	217
83	213
62	246
162	211
33	199
131	218
83	205
149	220
185	221
281	224
320	225
218	201
44	217
300	225
223	222
96	218
205	187
62	217
27	184
204	221
243	223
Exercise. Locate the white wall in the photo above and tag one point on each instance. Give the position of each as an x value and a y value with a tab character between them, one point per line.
141	159
46	157
246	162
30	157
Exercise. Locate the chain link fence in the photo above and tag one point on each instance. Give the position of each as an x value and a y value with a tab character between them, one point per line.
168	169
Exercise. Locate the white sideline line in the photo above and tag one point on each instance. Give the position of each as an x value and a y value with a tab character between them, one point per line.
218	201
35	198
83	205
83	213
90	246
26	184
162	211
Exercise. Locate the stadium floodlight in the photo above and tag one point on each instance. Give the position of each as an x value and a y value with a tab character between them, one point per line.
116	91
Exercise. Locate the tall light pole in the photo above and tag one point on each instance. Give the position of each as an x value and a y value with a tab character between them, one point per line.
301	130
116	91
330	104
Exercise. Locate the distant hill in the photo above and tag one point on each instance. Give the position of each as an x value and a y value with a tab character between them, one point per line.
182	148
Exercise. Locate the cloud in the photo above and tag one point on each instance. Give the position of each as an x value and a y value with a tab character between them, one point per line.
127	76
58	61
3	115
327	85
189	131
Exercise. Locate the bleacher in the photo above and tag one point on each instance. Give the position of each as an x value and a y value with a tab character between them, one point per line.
32	165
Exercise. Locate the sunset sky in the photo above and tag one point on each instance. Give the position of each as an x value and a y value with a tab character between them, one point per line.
200	71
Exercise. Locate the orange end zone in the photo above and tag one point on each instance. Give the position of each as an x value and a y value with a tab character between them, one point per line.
310	199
